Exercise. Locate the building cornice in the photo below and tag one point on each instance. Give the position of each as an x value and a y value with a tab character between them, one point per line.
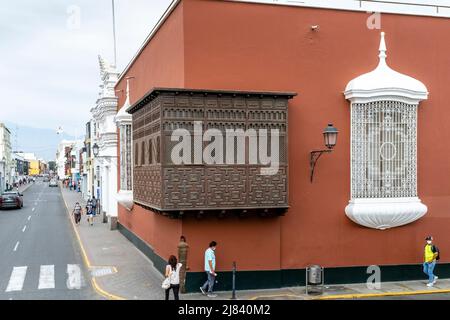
432	8
155	92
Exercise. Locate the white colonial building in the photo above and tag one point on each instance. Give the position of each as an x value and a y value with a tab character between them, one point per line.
5	157
61	158
105	140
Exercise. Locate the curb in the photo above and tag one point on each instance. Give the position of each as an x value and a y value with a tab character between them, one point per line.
384	294
278	296
86	260
26	188
358	295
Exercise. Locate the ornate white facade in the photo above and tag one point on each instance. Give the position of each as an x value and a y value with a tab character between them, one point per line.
384	147
105	163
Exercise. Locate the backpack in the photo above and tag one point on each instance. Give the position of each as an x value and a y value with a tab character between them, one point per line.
435	249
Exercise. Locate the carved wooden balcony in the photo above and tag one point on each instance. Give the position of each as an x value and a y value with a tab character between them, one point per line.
164	117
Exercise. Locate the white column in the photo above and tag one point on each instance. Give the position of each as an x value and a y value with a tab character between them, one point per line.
104	188
107	190
113	188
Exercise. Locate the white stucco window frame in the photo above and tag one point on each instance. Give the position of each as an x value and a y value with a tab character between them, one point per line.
379	205
123	119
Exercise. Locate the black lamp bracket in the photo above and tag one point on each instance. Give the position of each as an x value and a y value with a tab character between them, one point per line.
315	155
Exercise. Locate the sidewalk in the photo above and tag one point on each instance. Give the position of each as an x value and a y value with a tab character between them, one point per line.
121	271
24	187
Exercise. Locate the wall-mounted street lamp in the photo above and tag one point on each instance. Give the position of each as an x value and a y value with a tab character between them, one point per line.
96	150
330	138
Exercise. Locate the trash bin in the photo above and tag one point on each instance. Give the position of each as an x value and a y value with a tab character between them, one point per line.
314	278
315	275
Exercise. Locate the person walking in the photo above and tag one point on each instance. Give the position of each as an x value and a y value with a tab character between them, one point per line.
173	273
210	268
94	205
431	255
77	213
90	212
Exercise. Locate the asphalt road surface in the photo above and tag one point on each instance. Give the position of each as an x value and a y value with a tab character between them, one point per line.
40	258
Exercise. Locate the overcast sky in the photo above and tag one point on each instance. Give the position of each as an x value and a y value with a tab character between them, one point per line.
49	72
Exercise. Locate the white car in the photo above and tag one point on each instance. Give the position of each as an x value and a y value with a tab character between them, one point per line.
53	183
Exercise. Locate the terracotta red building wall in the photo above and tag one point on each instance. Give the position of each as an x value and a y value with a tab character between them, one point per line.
226	45
160	64
265	47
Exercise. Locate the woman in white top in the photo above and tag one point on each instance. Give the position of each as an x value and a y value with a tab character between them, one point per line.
173	273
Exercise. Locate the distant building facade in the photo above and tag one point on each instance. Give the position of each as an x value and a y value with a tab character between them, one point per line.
6	161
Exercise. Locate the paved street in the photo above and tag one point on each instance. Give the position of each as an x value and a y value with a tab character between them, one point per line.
39	256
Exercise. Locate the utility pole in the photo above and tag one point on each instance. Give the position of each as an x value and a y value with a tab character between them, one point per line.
16	140
114	32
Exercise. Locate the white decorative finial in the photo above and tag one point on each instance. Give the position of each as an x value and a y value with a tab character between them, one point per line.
382	49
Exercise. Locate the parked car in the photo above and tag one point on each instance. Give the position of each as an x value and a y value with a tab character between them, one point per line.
53	183
11	199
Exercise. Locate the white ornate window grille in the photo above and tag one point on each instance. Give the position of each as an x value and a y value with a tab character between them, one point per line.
384	150
126	182
384	106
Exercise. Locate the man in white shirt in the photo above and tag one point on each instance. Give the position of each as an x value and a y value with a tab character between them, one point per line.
210	268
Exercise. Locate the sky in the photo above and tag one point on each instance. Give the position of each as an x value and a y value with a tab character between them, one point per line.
49	70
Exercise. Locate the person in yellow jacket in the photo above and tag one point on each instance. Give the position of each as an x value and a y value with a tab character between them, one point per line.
431	254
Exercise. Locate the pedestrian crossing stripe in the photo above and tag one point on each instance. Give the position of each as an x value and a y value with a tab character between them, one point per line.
17	279
75	279
47	277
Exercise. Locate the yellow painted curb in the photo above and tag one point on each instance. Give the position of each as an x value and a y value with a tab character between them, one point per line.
384	294
96	287
358	295
275	296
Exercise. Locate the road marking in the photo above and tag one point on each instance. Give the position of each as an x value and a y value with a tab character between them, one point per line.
47	277
17	279
75	279
102	271
32	210
24	228
17	245
29	218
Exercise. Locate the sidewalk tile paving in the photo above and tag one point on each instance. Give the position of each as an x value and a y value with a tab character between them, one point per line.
137	279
